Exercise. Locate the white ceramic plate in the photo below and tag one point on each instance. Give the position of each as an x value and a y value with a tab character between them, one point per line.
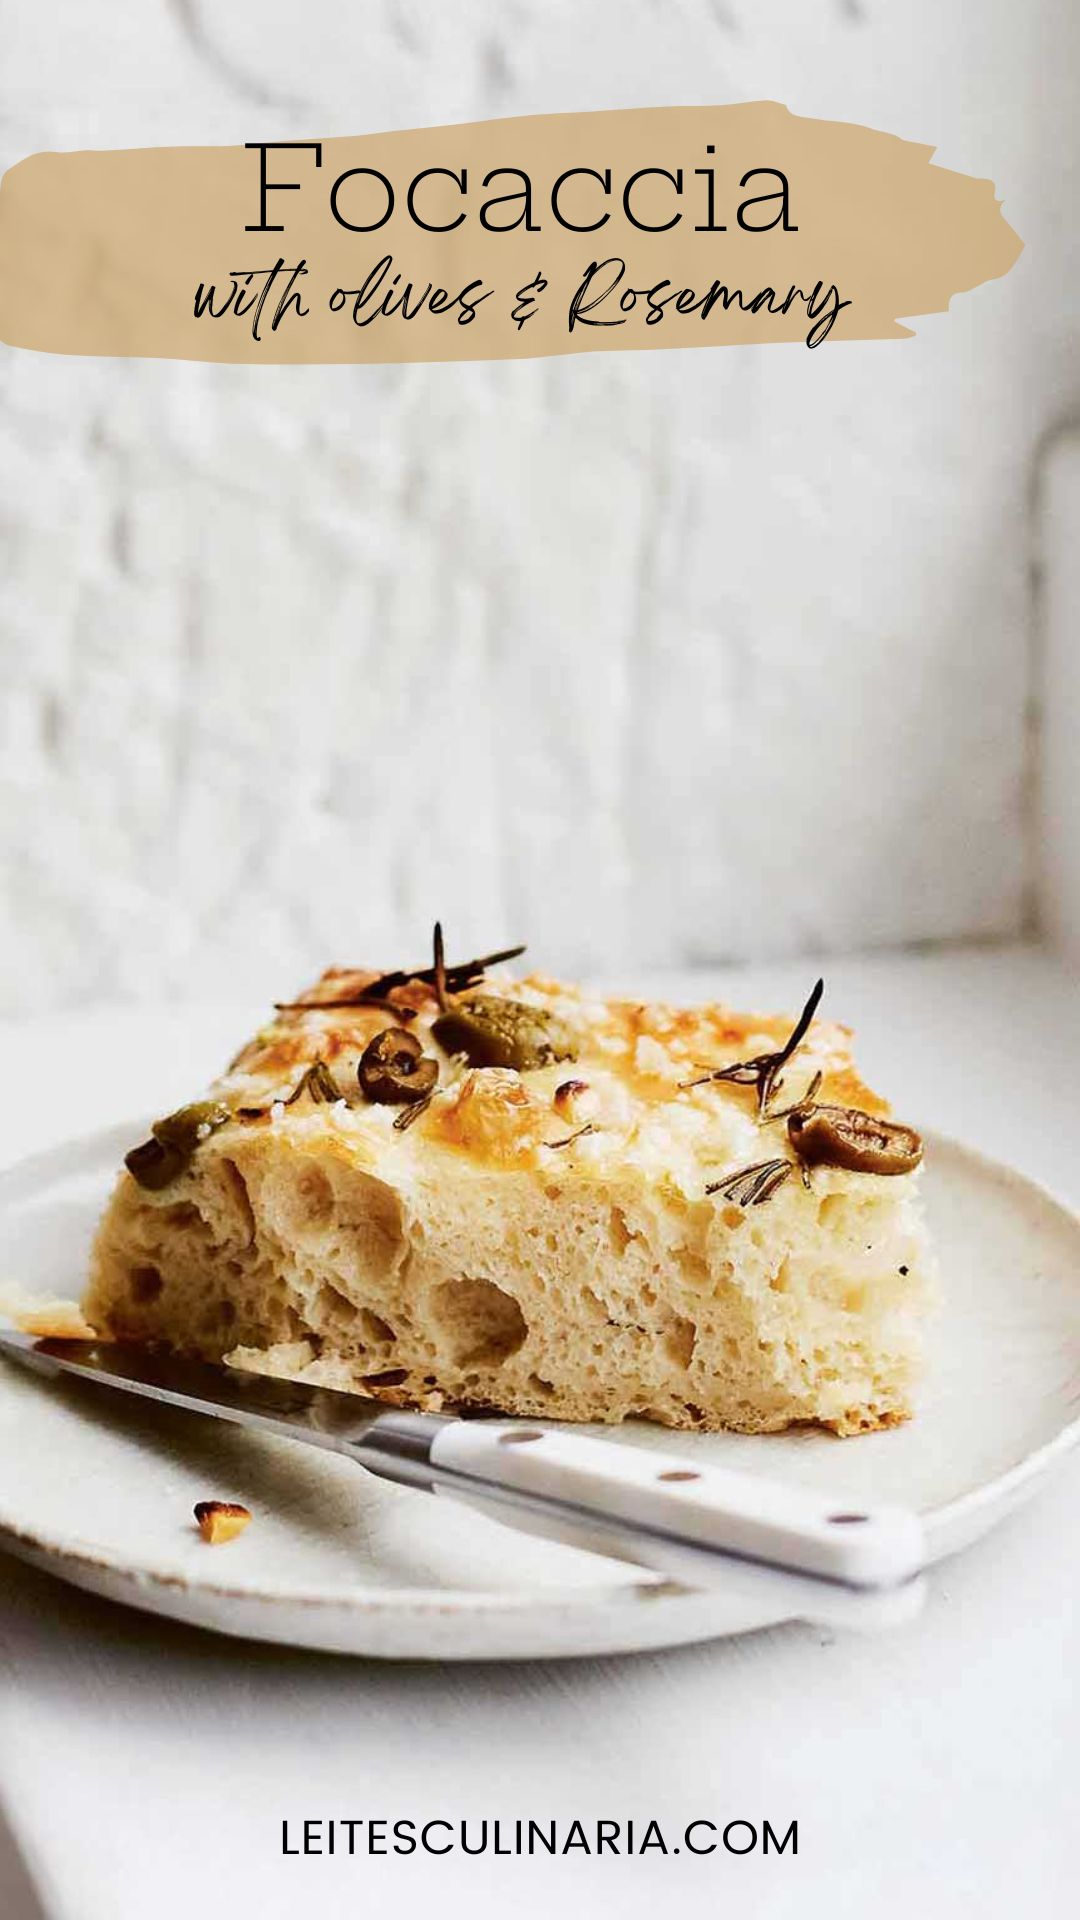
99	1489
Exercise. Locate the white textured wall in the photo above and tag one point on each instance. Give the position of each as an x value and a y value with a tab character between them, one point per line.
1058	791
647	659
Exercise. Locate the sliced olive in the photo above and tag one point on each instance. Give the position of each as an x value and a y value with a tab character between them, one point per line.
188	1125
492	1032
394	1071
154	1165
859	1142
160	1159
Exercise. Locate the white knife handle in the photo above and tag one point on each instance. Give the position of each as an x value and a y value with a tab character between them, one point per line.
770	1590
672	1508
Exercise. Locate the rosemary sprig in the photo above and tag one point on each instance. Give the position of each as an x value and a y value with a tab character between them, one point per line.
316	1081
580	1133
463	974
750	1186
763	1072
407	1115
438	971
456	979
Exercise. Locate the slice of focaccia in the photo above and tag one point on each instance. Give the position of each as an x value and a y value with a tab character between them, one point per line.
457	1189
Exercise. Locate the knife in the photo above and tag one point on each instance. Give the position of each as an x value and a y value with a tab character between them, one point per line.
701	1524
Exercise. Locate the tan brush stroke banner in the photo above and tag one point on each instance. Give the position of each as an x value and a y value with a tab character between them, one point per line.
815	230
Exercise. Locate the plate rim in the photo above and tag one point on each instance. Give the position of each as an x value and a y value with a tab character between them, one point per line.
1005	1487
948	1525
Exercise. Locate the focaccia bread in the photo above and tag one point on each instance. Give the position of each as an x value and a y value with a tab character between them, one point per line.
456	1189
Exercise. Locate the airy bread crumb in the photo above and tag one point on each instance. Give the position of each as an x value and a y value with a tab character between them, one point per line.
491	1255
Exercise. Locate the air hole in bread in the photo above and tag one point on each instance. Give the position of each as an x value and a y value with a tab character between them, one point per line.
236	1187
781	1279
375	1330
620	1230
145	1284
540	1385
694	1266
180	1215
678	1341
313	1198
479	1323
845	1213
369	1214
334	1306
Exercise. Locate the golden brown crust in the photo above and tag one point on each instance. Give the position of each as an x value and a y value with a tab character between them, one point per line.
651	1049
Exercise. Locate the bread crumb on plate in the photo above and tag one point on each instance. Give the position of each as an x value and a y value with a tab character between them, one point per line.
220	1520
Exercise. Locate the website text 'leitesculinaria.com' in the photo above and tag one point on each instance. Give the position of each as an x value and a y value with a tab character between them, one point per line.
531	1838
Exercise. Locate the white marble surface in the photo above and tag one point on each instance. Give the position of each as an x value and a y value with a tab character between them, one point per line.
146	1769
685	656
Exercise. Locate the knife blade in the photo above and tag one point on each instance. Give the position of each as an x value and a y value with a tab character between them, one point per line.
698	1522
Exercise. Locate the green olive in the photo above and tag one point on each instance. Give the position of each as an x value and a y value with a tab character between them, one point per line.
394	1070
492	1032
859	1142
159	1160
188	1125
154	1165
